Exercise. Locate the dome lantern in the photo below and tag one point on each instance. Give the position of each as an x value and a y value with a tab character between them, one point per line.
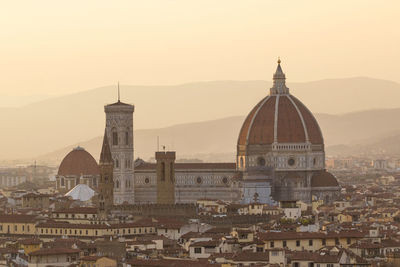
279	81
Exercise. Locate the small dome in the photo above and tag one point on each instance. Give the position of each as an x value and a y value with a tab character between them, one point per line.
78	162
323	179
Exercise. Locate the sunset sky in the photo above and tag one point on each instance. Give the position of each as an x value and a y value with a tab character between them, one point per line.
60	47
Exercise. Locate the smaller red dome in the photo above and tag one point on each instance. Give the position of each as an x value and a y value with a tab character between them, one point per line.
323	179
78	162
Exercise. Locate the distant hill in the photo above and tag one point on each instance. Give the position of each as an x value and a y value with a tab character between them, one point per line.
363	132
41	127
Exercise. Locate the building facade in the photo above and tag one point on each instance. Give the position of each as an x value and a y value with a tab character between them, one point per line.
280	157
119	129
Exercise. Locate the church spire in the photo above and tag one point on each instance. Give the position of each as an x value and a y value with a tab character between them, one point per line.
119	96
279	81
105	156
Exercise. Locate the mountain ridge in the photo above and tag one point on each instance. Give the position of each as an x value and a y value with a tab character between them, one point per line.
38	128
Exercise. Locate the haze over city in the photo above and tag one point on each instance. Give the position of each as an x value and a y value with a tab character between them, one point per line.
175	133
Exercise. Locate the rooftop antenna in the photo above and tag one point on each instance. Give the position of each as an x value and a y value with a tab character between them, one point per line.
118	93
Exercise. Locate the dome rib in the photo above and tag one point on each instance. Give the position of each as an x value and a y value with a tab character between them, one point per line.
301	117
314	130
243	134
261	130
289	123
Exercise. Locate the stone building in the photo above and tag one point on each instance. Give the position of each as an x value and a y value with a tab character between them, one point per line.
281	144
78	167
280	157
9	179
119	129
192	181
165	171
105	196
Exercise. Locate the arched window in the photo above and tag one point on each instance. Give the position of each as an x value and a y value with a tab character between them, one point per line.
114	137
62	181
116	163
241	162
117	184
126	138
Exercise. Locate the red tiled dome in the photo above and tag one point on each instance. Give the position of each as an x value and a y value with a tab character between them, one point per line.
323	179
294	123
281	118
78	162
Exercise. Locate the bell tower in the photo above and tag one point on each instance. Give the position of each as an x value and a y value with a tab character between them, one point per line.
165	177
106	184
119	128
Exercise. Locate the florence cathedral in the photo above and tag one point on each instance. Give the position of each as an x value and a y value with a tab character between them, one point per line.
280	158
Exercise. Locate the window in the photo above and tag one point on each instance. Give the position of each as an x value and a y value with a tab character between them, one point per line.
162	171
126	138
115	138
261	161
348	241
296	264
297	243
284	243
272	244
324	242
116	163
275	253
329	265
62	181
197	250
337	241
310	242
171	172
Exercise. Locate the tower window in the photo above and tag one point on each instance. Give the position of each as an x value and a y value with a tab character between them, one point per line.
116	163
162	171
126	138
115	138
291	162
171	171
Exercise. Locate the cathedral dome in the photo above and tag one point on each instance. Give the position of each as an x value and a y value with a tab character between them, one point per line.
280	118
78	162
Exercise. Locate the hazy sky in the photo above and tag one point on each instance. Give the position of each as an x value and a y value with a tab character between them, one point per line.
60	47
